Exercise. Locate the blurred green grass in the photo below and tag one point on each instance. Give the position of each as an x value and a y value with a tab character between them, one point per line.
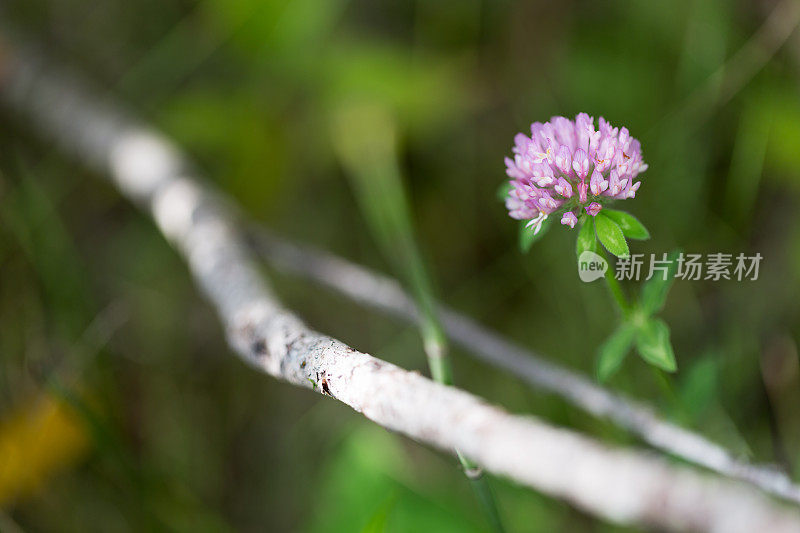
196	441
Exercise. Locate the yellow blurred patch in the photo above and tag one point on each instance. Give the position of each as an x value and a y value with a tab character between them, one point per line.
36	441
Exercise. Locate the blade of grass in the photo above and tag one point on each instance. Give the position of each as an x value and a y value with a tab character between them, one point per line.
365	140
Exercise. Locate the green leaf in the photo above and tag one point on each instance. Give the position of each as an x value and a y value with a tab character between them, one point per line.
652	343
610	235
528	236
613	351
654	291
503	190
630	225
586	238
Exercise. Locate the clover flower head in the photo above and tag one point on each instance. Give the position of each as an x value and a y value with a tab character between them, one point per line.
568	166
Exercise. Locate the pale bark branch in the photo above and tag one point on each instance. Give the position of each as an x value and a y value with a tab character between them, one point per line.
620	485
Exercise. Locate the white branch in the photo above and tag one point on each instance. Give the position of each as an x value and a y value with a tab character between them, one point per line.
386	294
622	486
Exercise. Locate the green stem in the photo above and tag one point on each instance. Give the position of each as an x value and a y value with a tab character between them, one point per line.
483	492
616	292
366	141
442	372
438	362
665	383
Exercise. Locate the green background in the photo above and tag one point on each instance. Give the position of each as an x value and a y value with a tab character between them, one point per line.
185	437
